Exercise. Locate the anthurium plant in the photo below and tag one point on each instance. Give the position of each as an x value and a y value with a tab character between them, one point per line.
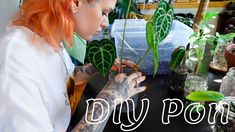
102	54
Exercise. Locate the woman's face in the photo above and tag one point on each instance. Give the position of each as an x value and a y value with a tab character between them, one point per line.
91	16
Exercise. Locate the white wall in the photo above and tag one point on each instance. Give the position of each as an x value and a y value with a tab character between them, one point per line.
8	9
193	11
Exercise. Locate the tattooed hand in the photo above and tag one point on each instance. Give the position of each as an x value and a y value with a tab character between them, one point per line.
84	73
123	86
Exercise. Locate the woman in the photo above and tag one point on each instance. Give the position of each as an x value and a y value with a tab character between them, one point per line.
35	67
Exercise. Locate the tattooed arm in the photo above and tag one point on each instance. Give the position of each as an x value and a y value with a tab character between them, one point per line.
122	88
84	73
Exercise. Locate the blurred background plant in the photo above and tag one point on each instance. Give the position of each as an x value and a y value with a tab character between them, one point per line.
120	10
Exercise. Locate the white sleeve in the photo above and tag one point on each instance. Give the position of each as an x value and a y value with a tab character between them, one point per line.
22	108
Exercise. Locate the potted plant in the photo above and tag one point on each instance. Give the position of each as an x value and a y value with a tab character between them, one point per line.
230	55
99	52
198	41
220	41
185	60
102	54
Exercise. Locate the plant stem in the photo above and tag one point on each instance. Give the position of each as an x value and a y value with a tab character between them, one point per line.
141	59
124	30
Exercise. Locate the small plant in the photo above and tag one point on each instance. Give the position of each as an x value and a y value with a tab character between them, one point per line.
198	40
219	38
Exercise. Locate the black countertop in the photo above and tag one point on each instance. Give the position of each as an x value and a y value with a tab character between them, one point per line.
158	89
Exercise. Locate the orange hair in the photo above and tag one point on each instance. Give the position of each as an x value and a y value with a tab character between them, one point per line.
50	19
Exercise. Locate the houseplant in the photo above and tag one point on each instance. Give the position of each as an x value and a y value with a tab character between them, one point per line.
156	30
194	52
220	41
198	41
185	60
102	53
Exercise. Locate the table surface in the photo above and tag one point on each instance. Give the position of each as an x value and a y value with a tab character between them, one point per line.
158	89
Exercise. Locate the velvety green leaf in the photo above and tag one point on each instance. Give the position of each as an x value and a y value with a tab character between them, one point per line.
177	57
159	29
163	18
210	15
205	96
102	54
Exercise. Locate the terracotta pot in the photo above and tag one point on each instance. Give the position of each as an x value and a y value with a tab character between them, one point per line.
229	55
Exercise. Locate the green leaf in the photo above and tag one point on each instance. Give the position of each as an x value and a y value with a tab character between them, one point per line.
158	29
102	55
78	49
210	15
228	37
152	42
149	34
177	57
205	96
155	52
163	18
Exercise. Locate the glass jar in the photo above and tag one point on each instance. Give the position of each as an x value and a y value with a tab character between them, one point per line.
195	54
227	87
218	57
230	125
195	82
178	77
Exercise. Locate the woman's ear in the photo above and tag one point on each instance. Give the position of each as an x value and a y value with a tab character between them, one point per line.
75	6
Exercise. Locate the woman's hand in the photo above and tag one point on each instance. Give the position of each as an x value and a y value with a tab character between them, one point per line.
125	64
86	72
122	87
